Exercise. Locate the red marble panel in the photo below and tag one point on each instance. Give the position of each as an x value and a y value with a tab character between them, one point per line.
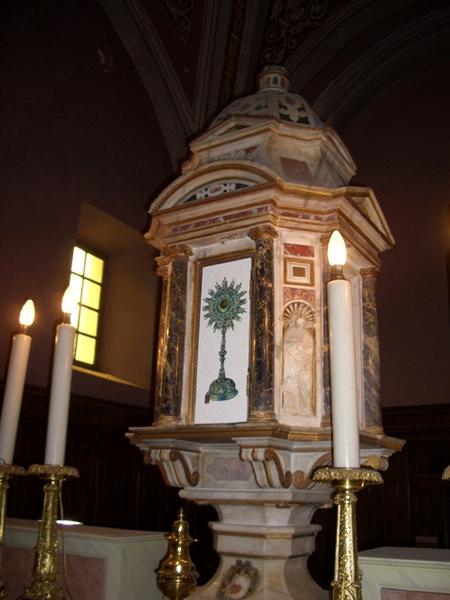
290	294
393	594
390	594
229	469
297	170
298	250
86	576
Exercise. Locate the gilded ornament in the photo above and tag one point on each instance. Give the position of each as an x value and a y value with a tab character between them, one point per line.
347	576
177	575
45	567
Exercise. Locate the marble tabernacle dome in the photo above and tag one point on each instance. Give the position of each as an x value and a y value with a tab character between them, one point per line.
273	100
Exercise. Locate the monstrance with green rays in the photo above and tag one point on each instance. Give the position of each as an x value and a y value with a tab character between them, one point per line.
223	307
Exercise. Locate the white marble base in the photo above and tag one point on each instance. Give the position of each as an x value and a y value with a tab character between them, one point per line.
406	570
274	540
262	489
128	559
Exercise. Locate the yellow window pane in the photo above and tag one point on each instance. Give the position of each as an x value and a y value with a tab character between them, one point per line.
74	316
93	268
88	321
85	351
91	294
76	283
78	259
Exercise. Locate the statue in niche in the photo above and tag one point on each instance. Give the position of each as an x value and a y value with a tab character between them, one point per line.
298	390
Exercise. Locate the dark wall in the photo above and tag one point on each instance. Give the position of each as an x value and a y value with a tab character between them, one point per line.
401	145
76	126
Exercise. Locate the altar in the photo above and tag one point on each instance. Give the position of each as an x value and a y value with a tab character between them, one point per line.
391	573
102	563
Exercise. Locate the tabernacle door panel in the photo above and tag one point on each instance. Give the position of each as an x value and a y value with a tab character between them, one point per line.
223	342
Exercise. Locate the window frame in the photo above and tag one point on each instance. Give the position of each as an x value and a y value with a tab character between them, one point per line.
95	364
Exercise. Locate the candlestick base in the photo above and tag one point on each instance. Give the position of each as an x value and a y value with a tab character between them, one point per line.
45	568
6	471
347	576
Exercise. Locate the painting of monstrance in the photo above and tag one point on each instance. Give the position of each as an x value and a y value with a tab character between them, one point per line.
242	407
224	325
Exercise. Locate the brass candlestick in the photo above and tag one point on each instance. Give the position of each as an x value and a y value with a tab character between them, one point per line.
6	471
346	482
45	567
177	575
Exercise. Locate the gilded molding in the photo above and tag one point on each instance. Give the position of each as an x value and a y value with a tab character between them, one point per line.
234	431
369	272
262	416
167	420
284	476
379	463
358	477
270	468
168	255
8	470
262	232
57	471
179	468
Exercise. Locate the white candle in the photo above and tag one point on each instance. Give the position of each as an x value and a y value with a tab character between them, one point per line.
344	402
15	381
55	447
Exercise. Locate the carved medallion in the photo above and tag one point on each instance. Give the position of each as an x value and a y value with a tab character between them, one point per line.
239	582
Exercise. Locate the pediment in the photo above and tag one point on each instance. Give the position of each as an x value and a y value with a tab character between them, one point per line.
366	202
205	183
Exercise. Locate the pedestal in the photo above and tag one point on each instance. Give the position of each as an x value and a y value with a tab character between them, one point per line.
262	490
264	545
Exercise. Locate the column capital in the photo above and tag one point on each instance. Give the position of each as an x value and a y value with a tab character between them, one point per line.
177	251
369	272
168	255
262	231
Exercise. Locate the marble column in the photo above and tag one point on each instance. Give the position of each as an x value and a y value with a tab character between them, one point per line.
172	268
261	399
370	349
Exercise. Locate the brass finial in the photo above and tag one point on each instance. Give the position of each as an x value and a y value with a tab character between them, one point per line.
177	575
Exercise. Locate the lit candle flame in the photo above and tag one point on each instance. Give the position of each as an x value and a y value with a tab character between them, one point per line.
27	314
337	251
69	302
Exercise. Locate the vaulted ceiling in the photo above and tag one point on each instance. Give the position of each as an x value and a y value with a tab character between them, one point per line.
194	56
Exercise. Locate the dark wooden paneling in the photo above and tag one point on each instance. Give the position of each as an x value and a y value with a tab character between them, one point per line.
116	489
426	430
